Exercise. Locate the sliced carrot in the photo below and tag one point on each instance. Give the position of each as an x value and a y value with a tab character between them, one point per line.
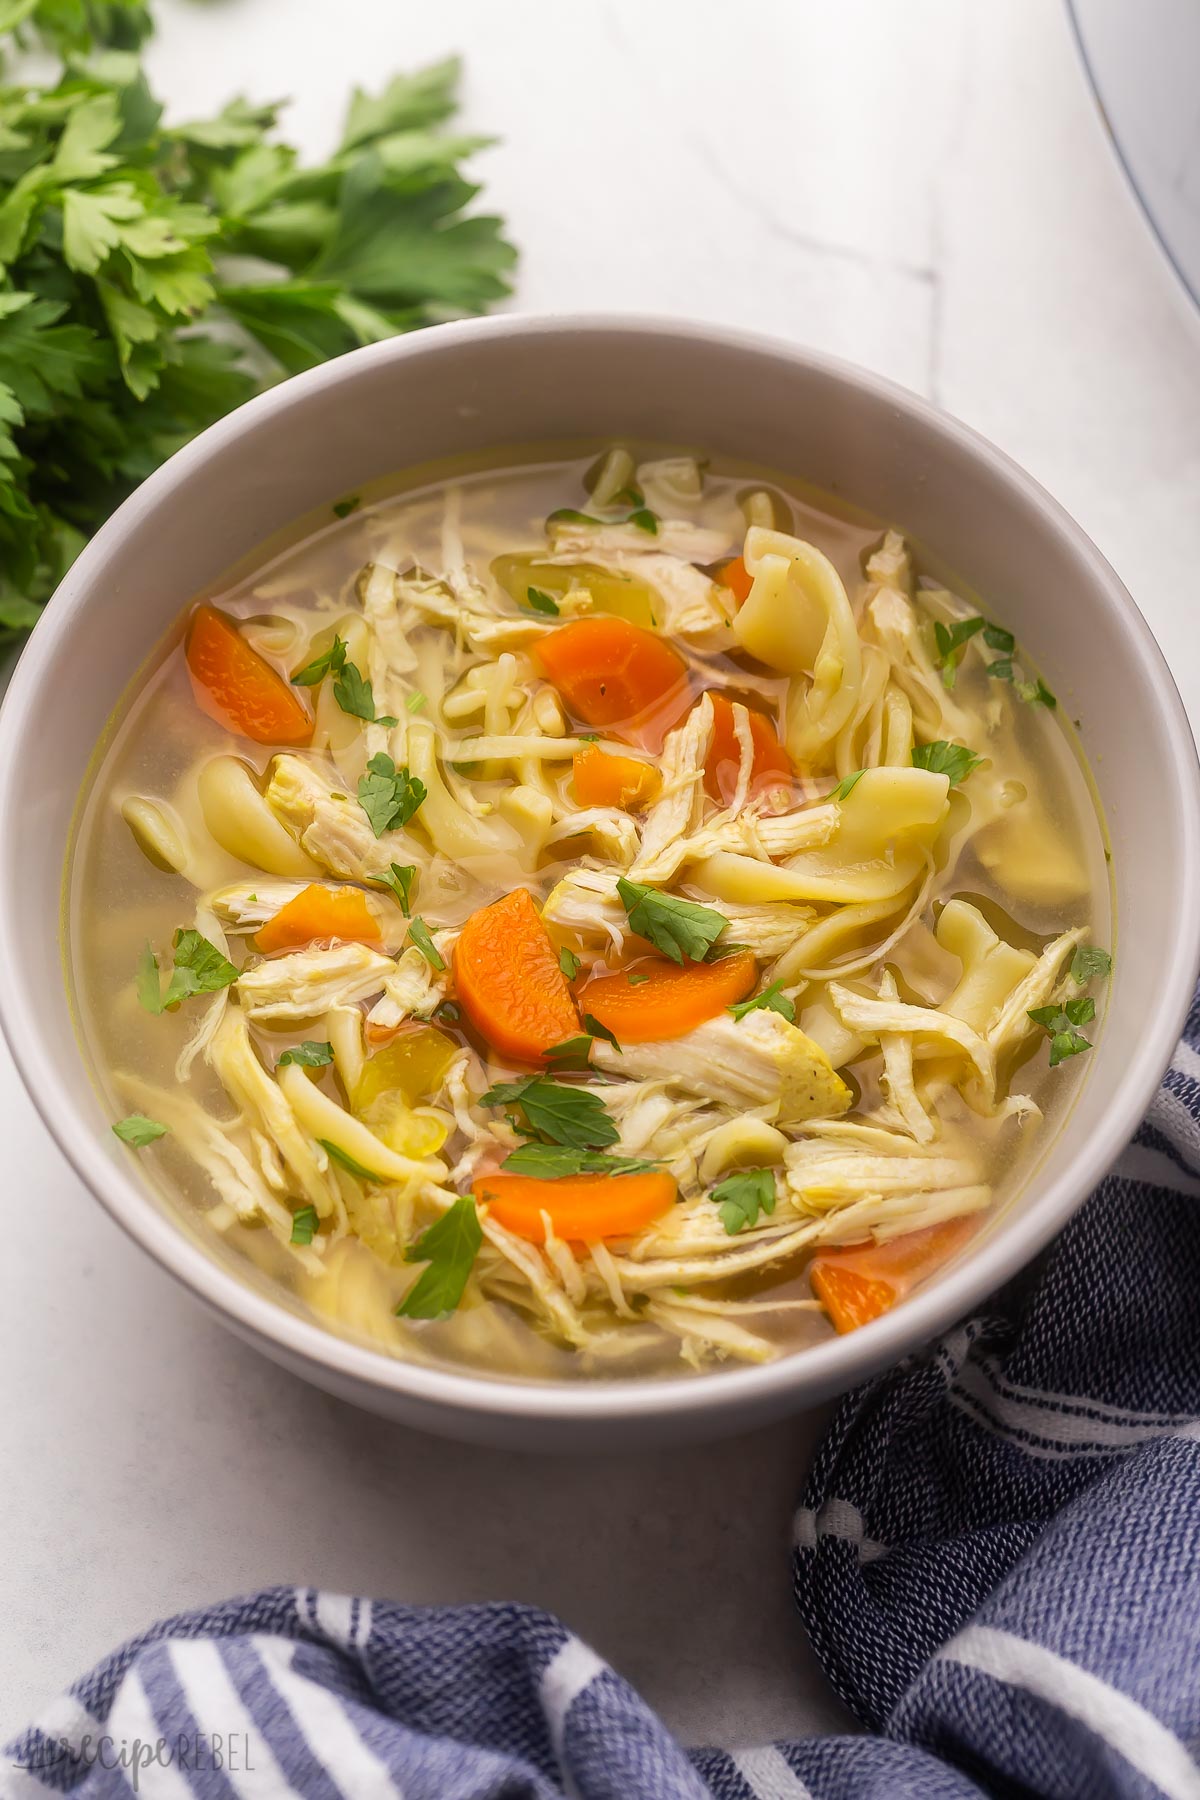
772	766
666	999
861	1283
599	778
582	1208
509	982
320	912
616	674
237	687
737	577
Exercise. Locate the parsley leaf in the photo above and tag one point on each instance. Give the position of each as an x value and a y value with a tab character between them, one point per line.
311	1054
677	928
304	1225
1059	1023
349	1163
399	879
951	640
996	638
569	963
595	1029
846	786
343	508
569	515
741	1197
1089	962
138	1130
418	932
636	980
772	999
199	968
572	1053
645	520
943	758
355	695
389	796
574	1116
448	1249
546	1162
541	602
332	659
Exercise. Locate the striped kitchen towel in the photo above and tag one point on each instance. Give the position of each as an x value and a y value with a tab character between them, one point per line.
997	1559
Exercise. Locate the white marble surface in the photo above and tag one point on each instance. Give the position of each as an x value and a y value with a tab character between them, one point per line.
922	188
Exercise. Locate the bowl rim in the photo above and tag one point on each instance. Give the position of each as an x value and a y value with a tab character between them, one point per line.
811	1373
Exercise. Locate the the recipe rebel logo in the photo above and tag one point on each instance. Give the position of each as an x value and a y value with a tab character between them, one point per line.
226	1753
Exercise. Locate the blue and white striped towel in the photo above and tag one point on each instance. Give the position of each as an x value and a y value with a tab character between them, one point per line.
997	1559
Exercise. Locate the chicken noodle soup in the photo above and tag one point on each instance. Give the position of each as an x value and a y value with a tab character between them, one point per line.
590	916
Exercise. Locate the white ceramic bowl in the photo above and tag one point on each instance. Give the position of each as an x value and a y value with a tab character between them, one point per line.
519	379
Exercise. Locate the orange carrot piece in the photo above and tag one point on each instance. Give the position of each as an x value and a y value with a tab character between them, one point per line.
737	577
509	982
237	687
616	674
861	1283
319	912
600	779
582	1208
672	998
772	766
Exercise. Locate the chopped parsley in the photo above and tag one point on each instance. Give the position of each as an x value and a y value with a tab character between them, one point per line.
343	508
311	1054
138	1130
1060	1022
1088	963
559	1114
541	602
636	980
677	928
1034	693
398	880
349	1163
570	515
742	1196
595	1029
355	695
569	963
572	1053
772	999
418	932
199	968
644	519
448	1249
331	660
954	761
304	1225
547	1162
846	786
389	796
951	641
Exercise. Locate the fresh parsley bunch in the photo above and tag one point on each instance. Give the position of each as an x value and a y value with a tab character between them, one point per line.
153	277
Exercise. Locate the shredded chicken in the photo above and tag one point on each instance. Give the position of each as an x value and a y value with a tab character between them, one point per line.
307	982
760	1060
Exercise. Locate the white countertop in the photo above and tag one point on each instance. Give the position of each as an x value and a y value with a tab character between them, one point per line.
925	189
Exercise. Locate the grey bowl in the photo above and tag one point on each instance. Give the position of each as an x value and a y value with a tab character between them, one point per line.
472	386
